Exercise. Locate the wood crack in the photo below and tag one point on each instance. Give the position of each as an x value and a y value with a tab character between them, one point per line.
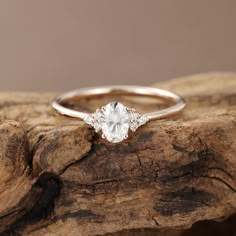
167	175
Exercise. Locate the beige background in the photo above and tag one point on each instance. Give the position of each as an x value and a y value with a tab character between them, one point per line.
58	45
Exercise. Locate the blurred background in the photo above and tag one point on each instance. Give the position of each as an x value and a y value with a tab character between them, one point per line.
62	44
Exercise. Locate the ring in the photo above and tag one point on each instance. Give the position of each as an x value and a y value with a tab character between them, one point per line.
114	120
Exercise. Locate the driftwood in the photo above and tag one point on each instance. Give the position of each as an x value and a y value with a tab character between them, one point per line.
57	177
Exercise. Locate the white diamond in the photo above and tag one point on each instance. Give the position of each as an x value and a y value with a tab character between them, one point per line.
89	119
114	122
93	121
136	120
142	120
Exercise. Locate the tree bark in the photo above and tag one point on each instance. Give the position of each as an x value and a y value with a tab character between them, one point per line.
58	177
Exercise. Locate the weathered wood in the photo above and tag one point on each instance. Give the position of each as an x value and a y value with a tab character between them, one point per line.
57	177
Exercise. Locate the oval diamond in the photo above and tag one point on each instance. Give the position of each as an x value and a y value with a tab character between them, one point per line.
114	122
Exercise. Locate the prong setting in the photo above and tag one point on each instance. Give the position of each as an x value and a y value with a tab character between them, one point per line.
114	121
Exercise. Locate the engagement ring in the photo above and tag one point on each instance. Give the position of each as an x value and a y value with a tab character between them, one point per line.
114	120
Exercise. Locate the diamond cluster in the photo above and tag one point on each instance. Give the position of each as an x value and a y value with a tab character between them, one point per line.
115	120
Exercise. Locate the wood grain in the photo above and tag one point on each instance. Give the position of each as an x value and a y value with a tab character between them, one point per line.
57	177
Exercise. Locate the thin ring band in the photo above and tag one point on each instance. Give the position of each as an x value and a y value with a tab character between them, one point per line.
121	90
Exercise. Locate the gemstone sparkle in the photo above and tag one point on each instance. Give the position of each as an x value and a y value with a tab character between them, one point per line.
115	120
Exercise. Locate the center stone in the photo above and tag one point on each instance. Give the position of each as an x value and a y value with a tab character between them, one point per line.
114	120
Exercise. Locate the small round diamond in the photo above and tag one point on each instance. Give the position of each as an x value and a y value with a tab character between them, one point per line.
134	121
89	120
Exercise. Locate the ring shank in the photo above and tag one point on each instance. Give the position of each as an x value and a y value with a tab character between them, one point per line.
179	103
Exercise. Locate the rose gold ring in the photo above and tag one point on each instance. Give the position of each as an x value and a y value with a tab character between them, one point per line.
114	119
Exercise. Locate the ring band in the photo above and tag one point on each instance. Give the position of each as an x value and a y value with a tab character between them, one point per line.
114	119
